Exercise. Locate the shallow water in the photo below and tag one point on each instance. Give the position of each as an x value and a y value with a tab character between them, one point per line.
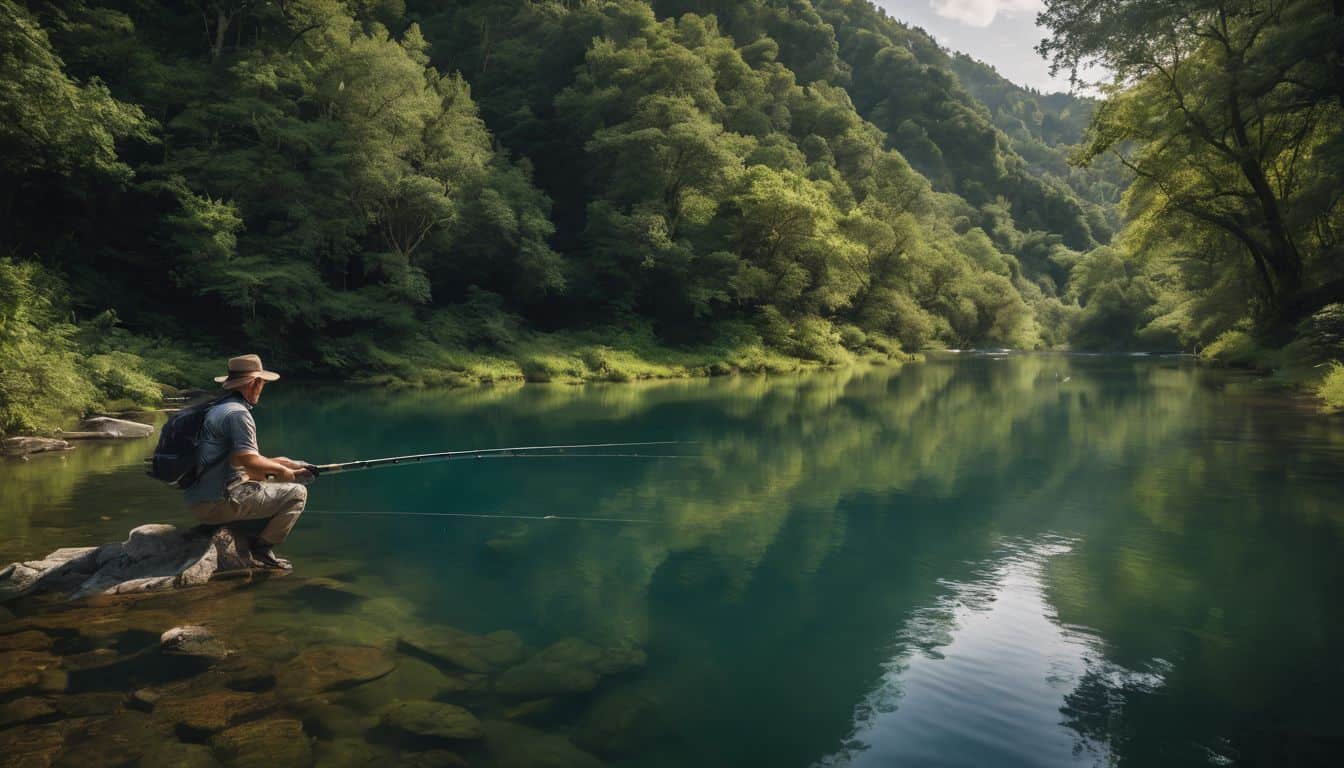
1022	560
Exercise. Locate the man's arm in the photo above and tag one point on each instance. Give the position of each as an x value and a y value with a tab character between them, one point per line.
258	467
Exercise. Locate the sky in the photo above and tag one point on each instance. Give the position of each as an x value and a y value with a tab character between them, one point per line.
1002	33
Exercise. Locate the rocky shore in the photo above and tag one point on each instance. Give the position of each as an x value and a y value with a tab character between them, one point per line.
317	668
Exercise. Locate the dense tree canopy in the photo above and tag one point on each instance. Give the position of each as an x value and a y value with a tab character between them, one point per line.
1230	115
350	184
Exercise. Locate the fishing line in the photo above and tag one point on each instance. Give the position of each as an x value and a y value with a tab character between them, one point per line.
483	517
485	453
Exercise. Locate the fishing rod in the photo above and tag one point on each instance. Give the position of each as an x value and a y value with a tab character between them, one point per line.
520	452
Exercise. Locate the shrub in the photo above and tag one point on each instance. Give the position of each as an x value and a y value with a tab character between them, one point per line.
1331	390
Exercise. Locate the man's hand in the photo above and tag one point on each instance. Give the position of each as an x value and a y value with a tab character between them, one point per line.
258	467
291	463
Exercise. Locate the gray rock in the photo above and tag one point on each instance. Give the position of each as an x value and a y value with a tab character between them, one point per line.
106	427
192	640
25	446
433	719
153	558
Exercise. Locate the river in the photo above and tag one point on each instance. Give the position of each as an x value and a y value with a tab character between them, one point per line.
1017	560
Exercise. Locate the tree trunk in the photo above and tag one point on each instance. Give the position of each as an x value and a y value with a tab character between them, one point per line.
1282	257
221	26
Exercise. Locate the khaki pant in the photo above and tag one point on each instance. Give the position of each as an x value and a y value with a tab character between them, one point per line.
280	503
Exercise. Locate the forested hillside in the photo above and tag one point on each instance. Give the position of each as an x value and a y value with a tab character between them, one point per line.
456	192
440	191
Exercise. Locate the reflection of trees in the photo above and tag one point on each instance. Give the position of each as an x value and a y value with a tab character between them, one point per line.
826	512
1215	555
57	500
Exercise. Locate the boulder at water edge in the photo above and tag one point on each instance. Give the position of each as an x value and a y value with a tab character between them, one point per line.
153	558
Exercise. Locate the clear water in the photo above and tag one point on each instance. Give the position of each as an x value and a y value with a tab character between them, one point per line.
973	561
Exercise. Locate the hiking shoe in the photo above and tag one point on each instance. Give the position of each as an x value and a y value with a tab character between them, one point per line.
263	557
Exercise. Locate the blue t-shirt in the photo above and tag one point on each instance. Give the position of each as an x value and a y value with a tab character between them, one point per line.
228	429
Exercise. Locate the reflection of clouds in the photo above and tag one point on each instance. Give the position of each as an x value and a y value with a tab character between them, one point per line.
979	675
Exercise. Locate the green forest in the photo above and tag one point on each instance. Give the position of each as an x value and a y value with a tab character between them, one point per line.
448	193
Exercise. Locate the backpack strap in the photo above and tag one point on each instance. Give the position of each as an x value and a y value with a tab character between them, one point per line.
216	462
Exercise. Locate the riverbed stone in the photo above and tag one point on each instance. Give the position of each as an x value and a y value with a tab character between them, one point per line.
433	719
90	704
349	752
335	667
31	745
175	754
516	746
474	653
23	669
413	679
28	640
618	723
572	665
153	558
192	640
207	713
264	744
432	758
24	709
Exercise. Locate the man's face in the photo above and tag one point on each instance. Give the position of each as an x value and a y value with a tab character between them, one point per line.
253	390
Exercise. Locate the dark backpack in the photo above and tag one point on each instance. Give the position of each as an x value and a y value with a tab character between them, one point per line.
176	459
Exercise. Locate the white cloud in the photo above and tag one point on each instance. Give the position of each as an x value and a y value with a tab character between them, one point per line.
981	13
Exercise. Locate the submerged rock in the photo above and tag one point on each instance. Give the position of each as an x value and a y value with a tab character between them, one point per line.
413	679
433	719
353	753
474	653
192	640
333	667
572	665
28	640
433	758
20	670
618	723
264	744
26	709
35	745
208	713
517	746
153	558
175	754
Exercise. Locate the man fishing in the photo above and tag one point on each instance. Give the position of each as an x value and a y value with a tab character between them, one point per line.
234	481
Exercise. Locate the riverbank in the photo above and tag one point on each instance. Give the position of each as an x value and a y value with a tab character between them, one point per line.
124	373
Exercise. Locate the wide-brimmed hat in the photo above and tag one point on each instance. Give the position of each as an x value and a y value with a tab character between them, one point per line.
244	369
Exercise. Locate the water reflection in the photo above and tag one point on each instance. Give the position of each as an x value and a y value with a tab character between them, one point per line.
1023	560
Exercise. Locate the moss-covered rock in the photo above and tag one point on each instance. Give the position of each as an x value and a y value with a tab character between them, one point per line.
264	744
432	719
334	667
572	665
516	746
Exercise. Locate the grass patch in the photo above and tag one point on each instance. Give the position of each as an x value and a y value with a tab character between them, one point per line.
1331	389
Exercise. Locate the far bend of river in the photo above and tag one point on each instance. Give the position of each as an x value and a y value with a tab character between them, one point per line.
1030	560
